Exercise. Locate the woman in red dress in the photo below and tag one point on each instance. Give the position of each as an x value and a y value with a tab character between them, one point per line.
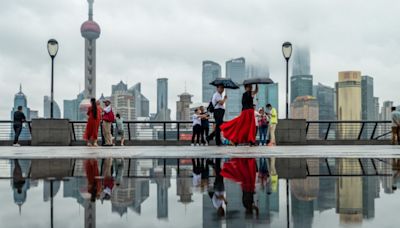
93	123
242	129
243	171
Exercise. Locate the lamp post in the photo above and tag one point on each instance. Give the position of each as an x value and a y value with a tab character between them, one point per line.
52	48
287	52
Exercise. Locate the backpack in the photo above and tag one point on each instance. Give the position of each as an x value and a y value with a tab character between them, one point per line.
263	121
210	107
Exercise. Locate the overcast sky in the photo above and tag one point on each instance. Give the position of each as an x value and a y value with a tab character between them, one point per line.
142	40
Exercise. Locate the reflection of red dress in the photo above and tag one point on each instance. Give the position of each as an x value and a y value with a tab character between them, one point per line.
241	170
241	129
92	171
92	126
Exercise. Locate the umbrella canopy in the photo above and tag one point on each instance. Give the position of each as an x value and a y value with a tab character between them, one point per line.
257	81
226	82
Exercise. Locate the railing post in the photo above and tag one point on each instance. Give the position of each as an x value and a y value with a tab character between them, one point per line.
129	131
308	125
165	130
73	131
361	130
327	131
177	131
373	131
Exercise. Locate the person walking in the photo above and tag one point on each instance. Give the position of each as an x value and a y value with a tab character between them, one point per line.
273	116
108	120
395	126
19	119
119	122
218	103
242	129
205	126
93	123
262	126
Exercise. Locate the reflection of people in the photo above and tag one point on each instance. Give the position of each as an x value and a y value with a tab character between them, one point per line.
92	173
242	129
93	122
218	194
18	179
243	171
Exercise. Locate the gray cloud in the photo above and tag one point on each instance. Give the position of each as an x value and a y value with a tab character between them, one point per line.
142	40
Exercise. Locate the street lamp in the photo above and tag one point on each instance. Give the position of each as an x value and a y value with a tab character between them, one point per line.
52	48
287	52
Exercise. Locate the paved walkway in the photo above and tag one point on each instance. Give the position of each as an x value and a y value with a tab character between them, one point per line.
211	151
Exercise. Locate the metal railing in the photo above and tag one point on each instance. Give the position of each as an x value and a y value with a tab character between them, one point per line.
348	130
182	130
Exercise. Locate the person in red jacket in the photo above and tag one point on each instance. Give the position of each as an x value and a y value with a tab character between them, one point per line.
108	119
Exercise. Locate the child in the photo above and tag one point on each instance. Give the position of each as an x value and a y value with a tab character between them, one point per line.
263	126
120	128
196	126
205	126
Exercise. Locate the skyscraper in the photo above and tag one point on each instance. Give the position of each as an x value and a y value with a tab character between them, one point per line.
163	113
21	100
367	98
235	70
305	107
210	71
301	85
348	100
386	110
301	81
90	30
376	108
183	106
46	108
326	101
268	94
142	104
123	102
71	108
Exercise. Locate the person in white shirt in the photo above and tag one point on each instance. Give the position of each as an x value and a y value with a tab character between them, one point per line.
217	195
395	126
219	111
196	126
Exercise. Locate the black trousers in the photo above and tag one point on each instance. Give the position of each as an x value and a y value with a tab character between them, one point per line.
196	133
17	131
205	130
219	119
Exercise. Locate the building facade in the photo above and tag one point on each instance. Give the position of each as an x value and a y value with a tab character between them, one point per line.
235	70
301	85
305	107
122	101
183	106
348	101
367	98
142	104
210	71
163	112
326	101
268	94
47	106
71	108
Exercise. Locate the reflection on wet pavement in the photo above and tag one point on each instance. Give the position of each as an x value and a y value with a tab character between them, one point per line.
200	192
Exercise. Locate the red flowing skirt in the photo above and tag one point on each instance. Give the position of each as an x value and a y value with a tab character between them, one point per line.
241	129
92	129
241	170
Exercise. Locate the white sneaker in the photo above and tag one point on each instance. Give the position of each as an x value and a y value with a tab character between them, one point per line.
197	144
206	144
16	144
260	144
192	144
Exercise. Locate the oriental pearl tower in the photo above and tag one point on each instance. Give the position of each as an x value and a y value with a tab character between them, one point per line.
90	30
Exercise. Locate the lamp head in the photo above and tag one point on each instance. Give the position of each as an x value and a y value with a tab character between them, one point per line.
287	50
52	47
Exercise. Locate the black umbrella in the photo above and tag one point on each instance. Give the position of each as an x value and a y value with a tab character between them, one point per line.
251	81
226	82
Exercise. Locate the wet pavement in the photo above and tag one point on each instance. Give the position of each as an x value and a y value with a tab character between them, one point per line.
165	192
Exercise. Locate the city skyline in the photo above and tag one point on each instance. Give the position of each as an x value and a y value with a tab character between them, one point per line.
168	49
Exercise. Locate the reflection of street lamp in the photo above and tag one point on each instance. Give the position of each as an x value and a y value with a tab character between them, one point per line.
287	52
52	48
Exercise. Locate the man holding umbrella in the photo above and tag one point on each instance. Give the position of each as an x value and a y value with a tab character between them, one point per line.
219	111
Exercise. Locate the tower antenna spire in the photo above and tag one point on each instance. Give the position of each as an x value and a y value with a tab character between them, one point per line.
90	9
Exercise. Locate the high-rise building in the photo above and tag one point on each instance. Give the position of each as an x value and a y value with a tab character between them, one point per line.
46	108
71	108
210	71
163	112
301	61
268	94
305	107
301	85
34	114
348	98
367	98
21	100
235	70
183	106
376	108
122	101
142	104
326	101
90	30
386	110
